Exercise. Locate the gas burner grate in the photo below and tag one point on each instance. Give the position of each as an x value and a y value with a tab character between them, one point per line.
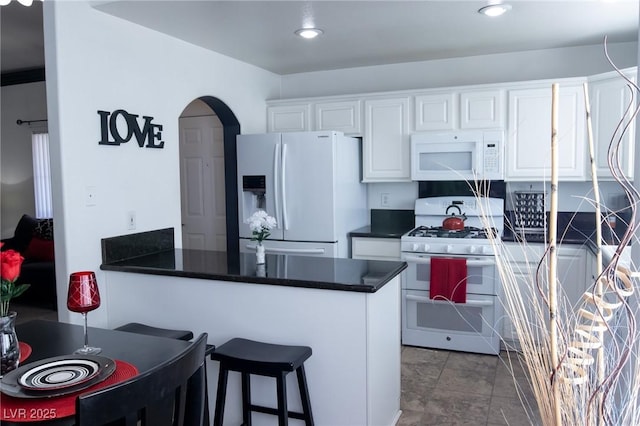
440	232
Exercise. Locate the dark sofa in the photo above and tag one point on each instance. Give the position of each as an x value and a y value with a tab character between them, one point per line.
33	239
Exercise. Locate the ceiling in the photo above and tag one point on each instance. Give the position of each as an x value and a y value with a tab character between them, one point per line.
356	33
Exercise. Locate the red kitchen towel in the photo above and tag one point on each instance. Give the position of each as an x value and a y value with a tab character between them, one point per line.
33	410
448	279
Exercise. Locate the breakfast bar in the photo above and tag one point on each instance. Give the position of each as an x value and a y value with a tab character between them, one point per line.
346	310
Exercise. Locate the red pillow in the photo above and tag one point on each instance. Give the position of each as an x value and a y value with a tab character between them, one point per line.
39	249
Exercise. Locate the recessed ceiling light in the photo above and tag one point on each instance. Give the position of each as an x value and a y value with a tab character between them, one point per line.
309	32
494	10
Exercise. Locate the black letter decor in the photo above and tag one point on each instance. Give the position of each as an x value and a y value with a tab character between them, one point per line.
152	133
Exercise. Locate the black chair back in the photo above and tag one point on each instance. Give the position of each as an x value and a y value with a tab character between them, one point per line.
172	394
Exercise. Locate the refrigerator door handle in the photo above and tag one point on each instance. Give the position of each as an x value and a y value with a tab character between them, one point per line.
284	187
318	250
276	183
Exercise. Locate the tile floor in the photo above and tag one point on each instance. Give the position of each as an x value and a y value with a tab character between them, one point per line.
438	387
454	388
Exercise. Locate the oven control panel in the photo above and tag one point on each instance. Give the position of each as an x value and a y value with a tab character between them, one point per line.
443	247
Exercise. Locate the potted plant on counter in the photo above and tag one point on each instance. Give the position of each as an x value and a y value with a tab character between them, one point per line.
260	224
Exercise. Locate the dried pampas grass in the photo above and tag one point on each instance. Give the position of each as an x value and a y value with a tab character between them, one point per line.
583	361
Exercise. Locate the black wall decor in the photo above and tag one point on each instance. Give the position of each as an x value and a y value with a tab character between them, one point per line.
151	133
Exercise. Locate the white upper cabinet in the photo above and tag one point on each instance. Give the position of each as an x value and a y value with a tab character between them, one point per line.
343	116
609	97
385	145
529	133
386	121
289	118
482	109
453	110
435	111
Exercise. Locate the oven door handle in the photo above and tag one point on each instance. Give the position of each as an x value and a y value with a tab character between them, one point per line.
427	260
470	302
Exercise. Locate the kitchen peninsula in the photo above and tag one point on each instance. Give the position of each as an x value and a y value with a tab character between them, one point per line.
346	310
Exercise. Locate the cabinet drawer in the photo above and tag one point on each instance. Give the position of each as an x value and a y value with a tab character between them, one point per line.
375	248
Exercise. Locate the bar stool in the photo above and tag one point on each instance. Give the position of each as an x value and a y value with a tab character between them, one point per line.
264	359
135	327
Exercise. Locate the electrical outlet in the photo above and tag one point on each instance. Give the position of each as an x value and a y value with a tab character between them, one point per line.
384	199
131	220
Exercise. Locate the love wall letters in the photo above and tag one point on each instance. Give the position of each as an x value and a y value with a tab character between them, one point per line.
149	133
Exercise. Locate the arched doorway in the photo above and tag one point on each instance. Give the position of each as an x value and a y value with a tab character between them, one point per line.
230	129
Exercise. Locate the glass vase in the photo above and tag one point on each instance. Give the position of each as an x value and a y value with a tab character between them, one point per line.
259	254
9	347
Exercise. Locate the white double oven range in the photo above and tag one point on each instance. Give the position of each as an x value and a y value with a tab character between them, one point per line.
451	288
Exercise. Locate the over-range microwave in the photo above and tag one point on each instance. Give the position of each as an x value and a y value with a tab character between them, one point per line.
458	155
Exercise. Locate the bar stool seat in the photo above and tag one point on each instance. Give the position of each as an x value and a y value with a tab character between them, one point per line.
264	359
135	327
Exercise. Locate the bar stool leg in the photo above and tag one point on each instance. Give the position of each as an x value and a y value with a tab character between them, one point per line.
246	399
283	415
304	396
221	396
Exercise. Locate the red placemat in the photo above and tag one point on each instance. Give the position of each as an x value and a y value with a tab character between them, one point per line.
32	410
25	351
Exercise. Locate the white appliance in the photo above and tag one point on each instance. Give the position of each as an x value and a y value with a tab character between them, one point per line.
458	155
470	326
310	182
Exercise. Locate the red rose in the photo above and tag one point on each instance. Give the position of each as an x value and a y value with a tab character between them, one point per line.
11	263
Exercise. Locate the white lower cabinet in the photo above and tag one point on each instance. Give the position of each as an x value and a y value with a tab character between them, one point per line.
522	264
375	248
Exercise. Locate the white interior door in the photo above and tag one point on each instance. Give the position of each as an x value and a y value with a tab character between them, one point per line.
202	183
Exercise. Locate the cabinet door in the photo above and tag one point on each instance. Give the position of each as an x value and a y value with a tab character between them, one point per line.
571	270
520	266
386	146
289	118
529	134
572	273
341	116
609	98
435	112
482	109
375	248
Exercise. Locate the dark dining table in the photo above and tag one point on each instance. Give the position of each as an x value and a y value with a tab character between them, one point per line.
52	339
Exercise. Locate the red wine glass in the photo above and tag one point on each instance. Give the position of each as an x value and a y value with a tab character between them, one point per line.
83	297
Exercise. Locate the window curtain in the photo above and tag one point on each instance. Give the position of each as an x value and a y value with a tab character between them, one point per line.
42	175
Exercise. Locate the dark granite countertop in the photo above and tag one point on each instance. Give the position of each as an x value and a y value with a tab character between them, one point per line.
369	232
572	228
366	276
387	224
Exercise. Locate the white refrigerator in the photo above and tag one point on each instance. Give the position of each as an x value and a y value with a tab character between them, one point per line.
310	182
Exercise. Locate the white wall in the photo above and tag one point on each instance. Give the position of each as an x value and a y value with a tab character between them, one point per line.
98	62
498	68
19	102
